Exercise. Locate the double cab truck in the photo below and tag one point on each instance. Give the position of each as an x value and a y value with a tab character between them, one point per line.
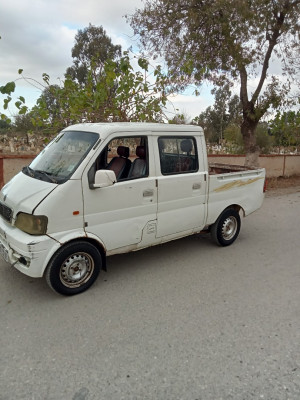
100	189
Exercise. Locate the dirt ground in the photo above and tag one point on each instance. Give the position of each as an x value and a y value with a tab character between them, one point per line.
281	185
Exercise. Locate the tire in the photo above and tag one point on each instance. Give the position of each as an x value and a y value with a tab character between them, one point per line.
74	268
227	227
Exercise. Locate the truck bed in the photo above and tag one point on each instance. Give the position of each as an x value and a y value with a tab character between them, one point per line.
240	185
216	168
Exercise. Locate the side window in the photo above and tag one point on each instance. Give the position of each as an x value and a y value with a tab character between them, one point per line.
126	156
177	155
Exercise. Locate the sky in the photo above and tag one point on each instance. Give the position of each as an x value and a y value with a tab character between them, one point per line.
38	35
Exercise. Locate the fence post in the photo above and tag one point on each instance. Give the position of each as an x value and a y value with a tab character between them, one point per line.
283	172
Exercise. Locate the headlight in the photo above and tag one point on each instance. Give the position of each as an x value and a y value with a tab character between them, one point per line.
32	224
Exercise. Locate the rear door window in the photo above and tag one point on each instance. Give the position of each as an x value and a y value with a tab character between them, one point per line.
178	155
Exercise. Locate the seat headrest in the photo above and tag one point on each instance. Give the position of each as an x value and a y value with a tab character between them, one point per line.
140	152
123	151
161	144
186	145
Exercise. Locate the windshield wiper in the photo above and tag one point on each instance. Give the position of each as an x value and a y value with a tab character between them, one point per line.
28	171
45	174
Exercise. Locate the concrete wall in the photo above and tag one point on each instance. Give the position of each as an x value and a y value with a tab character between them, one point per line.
276	165
292	165
10	165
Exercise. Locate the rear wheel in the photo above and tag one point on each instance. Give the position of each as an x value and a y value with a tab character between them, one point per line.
227	227
74	268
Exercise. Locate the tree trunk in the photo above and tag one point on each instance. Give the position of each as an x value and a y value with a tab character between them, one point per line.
251	149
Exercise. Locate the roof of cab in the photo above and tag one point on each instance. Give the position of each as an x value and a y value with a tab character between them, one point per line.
105	129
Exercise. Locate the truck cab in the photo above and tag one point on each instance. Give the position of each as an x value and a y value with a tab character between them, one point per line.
102	189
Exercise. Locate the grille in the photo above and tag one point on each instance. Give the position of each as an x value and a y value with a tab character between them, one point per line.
6	212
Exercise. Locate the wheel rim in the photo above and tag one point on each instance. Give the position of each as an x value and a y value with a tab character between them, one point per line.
229	228
76	269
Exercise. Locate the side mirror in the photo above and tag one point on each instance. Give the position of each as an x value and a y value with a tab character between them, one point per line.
104	178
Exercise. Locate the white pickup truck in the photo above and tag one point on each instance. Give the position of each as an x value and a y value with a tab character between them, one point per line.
106	188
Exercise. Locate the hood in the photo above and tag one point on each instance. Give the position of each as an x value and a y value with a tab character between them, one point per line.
23	193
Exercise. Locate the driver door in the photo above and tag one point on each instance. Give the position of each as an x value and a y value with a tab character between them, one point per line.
118	214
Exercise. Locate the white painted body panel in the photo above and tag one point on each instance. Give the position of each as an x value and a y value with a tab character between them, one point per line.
118	214
59	208
182	203
244	189
25	192
37	250
131	214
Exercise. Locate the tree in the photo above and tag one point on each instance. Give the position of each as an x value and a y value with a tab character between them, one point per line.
216	119
209	120
235	110
4	125
120	94
224	40
50	101
92	45
178	119
23	123
7	91
285	128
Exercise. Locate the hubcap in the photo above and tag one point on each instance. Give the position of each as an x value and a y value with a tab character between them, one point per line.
76	269
229	228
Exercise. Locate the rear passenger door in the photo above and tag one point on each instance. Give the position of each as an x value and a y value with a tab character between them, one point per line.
181	182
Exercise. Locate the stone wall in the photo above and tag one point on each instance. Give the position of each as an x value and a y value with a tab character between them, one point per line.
22	144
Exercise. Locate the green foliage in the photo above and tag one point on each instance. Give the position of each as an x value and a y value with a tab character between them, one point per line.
91	50
226	41
110	91
214	39
120	94
100	86
23	123
263	139
234	139
179	119
233	135
8	89
226	111
4	125
285	128
209	120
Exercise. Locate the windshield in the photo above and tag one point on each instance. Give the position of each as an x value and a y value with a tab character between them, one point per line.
58	161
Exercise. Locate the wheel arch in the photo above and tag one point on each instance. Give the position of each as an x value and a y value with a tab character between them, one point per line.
99	246
237	208
227	226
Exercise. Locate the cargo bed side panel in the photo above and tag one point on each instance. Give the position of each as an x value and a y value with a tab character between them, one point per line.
244	189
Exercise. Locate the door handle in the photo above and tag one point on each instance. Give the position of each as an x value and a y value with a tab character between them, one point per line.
148	193
197	186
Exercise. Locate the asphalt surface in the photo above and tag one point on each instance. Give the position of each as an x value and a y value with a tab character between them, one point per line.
186	320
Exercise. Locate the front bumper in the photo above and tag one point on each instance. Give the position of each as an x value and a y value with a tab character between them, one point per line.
28	254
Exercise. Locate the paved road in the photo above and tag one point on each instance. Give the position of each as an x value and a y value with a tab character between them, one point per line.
186	320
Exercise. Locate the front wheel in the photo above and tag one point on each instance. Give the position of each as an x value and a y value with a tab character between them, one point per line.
74	268
227	227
